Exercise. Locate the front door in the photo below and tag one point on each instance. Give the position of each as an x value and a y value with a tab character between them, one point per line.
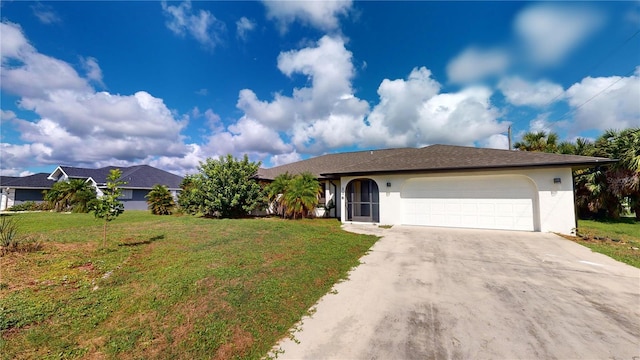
363	201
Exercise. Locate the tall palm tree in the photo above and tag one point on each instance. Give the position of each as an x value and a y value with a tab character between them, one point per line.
540	141
160	200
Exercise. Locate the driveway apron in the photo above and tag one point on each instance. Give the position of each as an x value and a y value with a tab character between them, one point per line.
436	293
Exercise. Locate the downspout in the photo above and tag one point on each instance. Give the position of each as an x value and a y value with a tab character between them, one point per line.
575	206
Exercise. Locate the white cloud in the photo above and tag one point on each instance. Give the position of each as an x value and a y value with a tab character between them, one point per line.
94	73
522	93
243	27
496	141
282	159
310	114
45	13
203	25
76	124
319	14
606	102
6	115
551	31
475	64
541	123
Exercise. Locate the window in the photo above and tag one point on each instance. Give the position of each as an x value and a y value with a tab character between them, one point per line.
127	194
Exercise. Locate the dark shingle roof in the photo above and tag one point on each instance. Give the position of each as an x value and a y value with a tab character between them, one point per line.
139	176
328	163
434	158
35	181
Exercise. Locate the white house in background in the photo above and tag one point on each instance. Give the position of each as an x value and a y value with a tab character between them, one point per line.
449	186
139	181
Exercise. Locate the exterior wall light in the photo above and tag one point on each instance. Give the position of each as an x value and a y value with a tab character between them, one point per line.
388	184
557	180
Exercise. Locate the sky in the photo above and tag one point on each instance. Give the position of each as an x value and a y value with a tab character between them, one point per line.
170	84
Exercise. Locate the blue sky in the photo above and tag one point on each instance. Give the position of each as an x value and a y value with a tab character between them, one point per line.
172	83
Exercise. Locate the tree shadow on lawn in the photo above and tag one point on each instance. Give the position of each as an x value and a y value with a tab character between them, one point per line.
138	242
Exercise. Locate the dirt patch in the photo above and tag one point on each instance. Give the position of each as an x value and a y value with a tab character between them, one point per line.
241	341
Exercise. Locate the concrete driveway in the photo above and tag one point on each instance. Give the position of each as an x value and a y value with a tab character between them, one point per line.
435	293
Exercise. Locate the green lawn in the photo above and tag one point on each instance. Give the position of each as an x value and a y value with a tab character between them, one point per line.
166	287
619	239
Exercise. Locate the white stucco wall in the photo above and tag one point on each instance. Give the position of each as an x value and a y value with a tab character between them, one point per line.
553	206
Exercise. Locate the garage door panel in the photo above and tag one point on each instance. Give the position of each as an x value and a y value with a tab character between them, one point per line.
473	202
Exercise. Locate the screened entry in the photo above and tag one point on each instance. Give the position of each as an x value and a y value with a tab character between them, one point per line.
363	201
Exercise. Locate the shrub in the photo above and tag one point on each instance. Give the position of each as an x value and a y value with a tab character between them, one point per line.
25	206
11	242
160	200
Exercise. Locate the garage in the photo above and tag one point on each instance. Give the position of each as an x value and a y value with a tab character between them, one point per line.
483	202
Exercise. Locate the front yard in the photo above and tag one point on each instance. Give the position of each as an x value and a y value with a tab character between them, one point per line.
166	287
618	239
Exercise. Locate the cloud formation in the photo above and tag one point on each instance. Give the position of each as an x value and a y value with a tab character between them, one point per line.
522	93
551	31
475	64
45	13
76	124
323	15
202	26
243	27
606	102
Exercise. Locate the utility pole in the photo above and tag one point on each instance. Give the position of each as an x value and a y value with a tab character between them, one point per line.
509	136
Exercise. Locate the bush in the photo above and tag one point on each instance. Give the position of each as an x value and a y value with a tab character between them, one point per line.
31	206
11	242
160	200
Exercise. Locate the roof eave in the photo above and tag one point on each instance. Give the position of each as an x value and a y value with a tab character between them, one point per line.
572	165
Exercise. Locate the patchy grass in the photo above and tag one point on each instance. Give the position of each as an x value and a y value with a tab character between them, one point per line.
618	239
166	286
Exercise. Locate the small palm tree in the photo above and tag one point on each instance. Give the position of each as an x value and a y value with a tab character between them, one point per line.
160	200
276	190
73	195
301	196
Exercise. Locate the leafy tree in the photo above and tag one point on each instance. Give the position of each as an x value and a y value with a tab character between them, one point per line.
301	195
108	207
189	199
275	192
74	195
225	188
540	141
160	200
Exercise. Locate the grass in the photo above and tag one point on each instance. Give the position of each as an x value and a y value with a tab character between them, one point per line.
166	286
618	239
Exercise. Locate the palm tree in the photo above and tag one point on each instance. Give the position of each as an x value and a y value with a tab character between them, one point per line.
160	200
73	195
276	190
301	196
538	141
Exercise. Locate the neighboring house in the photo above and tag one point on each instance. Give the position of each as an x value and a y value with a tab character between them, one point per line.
139	181
450	186
17	190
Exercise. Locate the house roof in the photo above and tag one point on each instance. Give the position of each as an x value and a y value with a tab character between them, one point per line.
328	163
35	181
139	176
434	158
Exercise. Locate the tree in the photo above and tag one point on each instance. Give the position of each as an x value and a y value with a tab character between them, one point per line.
275	192
301	195
189	199
225	187
540	141
108	207
74	195
160	200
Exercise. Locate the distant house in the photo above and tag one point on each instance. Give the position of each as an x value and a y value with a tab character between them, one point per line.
16	190
139	181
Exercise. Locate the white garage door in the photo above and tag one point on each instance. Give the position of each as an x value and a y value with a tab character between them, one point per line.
483	202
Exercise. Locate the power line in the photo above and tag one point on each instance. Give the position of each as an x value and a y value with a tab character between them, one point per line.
597	94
